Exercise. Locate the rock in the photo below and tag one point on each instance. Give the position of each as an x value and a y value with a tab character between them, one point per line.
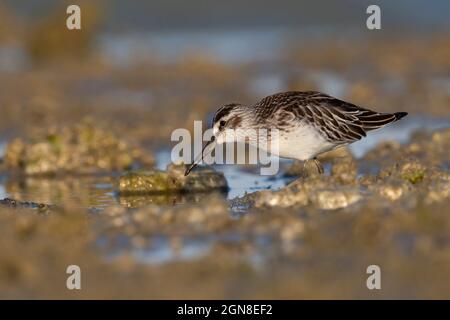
392	189
321	192
413	172
439	191
24	204
431	149
172	180
441	137
408	169
345	170
282	198
335	199
80	149
339	155
148	181
14	153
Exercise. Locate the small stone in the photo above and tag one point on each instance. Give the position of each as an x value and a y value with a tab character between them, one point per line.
439	192
281	198
335	199
172	180
392	192
345	170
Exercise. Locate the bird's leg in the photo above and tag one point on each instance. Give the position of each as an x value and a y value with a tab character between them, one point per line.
304	172
319	166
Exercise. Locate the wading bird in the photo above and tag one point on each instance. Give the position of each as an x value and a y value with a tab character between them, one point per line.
308	123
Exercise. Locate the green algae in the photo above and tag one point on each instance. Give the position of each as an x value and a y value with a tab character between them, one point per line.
170	181
84	148
414	176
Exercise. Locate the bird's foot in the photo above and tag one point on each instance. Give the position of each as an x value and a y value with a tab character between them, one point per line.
318	168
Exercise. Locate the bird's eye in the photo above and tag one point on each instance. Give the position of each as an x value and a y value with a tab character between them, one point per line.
222	123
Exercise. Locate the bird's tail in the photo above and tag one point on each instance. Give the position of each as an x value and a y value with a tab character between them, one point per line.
372	121
399	115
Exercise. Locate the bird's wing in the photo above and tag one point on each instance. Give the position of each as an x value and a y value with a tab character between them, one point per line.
338	121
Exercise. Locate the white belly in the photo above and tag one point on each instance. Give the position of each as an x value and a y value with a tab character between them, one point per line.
302	143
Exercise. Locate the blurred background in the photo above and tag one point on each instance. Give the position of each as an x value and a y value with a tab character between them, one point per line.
107	98
140	63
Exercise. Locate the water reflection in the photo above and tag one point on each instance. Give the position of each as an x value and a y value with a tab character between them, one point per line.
86	192
81	191
136	201
162	249
3	193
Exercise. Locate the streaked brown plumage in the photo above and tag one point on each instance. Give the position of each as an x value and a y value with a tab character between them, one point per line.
338	121
309	122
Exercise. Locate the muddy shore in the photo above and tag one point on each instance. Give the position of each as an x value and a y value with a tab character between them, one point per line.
84	177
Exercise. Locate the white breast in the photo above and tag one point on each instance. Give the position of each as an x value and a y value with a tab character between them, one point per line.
302	143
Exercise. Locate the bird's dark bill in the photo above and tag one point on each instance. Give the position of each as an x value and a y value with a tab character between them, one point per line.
207	149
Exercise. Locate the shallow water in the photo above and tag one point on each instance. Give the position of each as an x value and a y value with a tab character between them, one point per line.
99	192
160	249
239	181
311	240
84	192
163	249
3	193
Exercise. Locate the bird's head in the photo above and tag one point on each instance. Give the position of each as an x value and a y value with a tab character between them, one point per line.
226	121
